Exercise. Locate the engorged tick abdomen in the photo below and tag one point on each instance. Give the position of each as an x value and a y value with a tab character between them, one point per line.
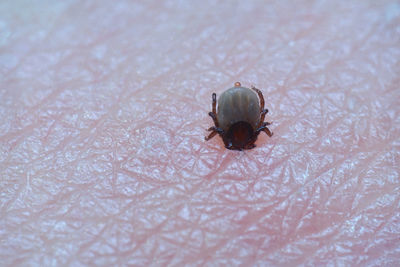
238	104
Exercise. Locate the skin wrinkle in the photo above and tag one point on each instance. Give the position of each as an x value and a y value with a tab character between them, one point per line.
60	64
334	238
24	57
31	128
318	176
47	40
102	119
301	58
231	237
336	225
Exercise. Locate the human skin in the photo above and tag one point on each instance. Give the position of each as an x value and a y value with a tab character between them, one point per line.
104	112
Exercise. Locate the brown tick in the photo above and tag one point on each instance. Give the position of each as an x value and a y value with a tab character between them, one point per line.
240	117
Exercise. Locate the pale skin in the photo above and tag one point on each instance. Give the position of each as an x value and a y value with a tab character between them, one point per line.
104	108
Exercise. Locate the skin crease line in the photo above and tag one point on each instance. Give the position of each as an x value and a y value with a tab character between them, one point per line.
104	110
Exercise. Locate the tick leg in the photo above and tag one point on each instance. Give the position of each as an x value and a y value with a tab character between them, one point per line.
261	97
265	123
214	103
265	129
263	113
268	132
215	131
214	109
211	135
213	113
214	117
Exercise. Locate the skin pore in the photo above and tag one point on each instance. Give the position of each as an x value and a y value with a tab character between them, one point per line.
104	111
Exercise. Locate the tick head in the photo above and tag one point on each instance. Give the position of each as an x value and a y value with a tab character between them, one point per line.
239	136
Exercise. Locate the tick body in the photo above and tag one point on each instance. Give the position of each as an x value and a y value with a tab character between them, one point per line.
239	118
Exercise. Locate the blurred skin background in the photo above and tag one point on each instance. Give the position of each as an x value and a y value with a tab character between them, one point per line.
103	113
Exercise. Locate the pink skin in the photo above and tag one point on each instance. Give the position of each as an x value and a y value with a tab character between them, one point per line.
103	116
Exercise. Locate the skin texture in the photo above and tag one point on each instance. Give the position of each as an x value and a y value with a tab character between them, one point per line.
103	107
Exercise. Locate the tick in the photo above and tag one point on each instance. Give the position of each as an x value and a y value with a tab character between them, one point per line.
240	117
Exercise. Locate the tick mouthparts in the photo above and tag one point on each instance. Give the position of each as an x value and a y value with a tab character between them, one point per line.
237	84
